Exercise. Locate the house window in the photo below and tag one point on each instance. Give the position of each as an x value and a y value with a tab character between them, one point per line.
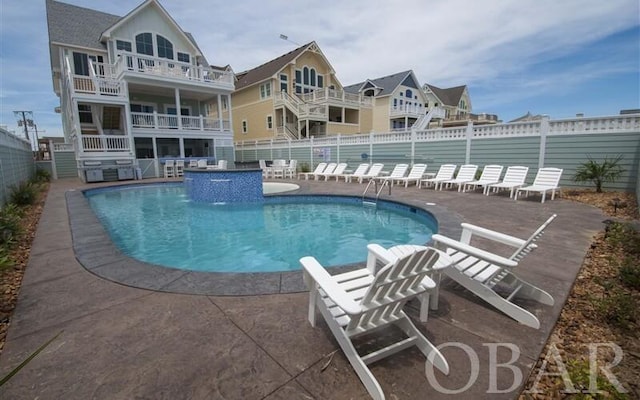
305	75
183	57
123	45
165	48
408	93
80	64
84	114
307	80
142	108
269	122
244	126
284	82
265	90
144	44
320	81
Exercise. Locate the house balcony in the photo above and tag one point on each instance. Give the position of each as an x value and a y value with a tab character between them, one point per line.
336	97
138	67
154	121
103	146
411	111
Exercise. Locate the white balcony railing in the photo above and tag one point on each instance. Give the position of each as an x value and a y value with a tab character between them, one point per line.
162	67
105	143
168	121
407	110
336	96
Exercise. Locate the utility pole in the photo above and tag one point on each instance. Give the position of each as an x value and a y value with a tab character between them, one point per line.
24	121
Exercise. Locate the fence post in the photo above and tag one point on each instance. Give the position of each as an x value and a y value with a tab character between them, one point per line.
271	149
338	148
370	147
544	130
467	156
311	153
52	153
413	145
289	145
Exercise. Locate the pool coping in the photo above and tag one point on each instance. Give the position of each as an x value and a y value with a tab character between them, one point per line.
96	252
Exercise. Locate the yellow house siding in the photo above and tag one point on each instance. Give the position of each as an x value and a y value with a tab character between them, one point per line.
381	114
256	116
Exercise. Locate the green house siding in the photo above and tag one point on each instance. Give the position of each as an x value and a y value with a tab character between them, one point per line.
524	151
434	154
66	166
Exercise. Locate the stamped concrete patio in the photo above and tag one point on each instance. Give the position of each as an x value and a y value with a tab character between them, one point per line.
120	341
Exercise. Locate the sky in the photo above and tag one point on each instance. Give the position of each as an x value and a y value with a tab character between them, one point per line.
549	57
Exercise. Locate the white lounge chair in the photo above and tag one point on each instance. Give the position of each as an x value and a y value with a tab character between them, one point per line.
202	163
490	175
319	168
489	275
513	179
399	171
193	163
179	166
467	173
415	175
339	170
373	172
328	170
547	180
360	302
445	173
169	169
359	172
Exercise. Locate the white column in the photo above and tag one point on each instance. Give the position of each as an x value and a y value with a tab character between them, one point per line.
156	163
178	114
230	113
469	133
181	142
220	111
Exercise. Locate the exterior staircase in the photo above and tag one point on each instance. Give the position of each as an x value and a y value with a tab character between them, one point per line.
424	120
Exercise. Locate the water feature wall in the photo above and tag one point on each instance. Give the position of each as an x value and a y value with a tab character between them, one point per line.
224	185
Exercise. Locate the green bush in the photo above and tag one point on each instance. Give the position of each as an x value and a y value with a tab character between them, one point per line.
42	175
5	260
618	308
580	375
10	223
599	173
304	167
630	273
23	194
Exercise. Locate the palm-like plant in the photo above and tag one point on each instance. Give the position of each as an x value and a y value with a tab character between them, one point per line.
608	170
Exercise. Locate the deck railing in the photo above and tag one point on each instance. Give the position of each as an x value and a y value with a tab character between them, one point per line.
105	143
154	120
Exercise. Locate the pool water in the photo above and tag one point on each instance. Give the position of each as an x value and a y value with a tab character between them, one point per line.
159	225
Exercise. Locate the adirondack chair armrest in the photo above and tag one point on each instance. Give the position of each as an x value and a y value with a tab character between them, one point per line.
378	253
474	251
318	275
468	230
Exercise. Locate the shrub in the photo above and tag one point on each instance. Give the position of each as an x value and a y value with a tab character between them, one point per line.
580	375
304	167
23	194
10	227
42	175
599	173
630	273
5	261
617	307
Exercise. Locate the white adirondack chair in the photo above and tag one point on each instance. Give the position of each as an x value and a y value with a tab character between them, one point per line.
416	173
547	180
445	173
359	172
490	175
359	302
482	272
513	179
467	173
373	172
169	169
319	168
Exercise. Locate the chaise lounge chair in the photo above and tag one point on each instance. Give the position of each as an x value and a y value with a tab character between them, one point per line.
445	173
373	172
339	170
319	169
490	175
488	275
358	173
547	179
327	171
415	175
360	302
398	172
466	174
513	179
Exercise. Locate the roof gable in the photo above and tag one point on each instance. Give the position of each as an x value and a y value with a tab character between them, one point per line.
388	83
410	82
450	96
77	26
271	68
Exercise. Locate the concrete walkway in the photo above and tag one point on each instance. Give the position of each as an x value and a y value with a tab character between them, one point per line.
123	342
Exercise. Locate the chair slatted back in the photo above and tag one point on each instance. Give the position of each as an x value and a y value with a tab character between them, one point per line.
169	163
417	171
375	170
516	175
529	244
446	171
202	163
491	173
361	170
392	287
340	169
399	170
467	172
549	177
293	164
329	169
320	168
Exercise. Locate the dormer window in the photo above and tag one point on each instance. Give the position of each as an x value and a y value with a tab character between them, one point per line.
165	48
144	44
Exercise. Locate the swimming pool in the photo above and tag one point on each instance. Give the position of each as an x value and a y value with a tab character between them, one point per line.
159	225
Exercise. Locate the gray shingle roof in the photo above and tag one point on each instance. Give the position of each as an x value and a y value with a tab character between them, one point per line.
450	96
77	26
388	83
268	69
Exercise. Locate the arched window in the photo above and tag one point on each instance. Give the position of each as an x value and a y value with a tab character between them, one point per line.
165	48
144	44
313	77
305	75
408	94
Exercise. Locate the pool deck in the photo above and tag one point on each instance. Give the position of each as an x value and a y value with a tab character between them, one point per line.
123	342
